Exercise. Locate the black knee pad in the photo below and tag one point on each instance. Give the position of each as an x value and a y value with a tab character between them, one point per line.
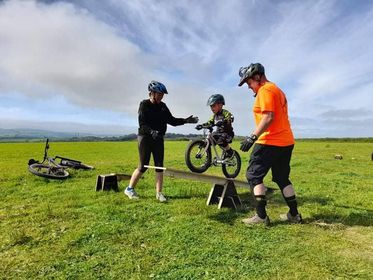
290	198
261	199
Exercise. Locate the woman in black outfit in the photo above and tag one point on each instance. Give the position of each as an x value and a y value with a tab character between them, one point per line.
153	119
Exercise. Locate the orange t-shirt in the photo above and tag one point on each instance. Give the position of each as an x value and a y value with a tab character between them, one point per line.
270	98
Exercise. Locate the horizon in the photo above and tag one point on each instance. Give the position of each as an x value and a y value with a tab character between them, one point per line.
67	136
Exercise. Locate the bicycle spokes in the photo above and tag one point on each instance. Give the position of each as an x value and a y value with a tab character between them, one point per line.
231	167
201	152
197	157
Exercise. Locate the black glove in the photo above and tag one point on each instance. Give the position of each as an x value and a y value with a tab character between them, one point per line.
248	142
191	119
199	127
155	134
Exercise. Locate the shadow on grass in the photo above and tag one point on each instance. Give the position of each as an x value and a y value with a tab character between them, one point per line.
351	219
347	215
333	213
186	196
226	217
229	215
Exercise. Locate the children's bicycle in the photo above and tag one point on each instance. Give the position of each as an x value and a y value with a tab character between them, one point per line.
51	168
198	156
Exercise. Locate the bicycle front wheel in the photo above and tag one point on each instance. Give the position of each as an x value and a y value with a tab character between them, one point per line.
232	166
47	171
196	157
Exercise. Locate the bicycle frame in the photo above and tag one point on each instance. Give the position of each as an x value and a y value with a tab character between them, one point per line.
218	159
46	150
63	161
51	161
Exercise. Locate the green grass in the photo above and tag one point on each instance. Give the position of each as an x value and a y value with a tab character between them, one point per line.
65	229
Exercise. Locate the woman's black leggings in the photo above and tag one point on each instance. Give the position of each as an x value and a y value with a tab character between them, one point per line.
147	146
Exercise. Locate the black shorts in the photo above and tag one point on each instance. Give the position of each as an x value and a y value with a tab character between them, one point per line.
265	157
147	146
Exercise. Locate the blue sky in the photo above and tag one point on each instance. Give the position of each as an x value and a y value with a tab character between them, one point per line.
83	66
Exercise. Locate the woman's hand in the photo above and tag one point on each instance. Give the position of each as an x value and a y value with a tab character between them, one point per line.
191	119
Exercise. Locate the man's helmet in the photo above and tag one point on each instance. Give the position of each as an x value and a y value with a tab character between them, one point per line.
215	98
249	71
155	86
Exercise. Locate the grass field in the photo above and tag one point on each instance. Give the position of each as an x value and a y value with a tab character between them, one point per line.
66	230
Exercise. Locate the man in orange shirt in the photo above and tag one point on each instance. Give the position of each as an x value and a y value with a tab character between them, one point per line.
274	143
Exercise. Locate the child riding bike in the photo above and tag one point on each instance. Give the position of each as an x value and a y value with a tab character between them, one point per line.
222	119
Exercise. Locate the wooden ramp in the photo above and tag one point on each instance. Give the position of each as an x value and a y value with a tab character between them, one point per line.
223	191
203	177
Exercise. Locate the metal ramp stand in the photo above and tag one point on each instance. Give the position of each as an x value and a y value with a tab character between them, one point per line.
109	182
223	191
224	195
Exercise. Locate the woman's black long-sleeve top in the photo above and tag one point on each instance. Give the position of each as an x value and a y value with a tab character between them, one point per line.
156	117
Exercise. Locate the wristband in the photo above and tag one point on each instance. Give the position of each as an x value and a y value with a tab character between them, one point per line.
253	137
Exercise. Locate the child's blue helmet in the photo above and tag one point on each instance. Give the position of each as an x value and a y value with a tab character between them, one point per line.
155	86
215	98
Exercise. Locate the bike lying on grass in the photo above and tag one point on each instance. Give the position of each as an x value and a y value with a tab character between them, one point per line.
198	155
50	168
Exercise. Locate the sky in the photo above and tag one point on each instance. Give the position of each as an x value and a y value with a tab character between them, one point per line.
84	66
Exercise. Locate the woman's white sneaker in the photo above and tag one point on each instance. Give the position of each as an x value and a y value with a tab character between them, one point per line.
131	193
160	197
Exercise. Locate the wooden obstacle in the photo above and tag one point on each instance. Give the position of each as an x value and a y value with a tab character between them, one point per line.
109	182
223	191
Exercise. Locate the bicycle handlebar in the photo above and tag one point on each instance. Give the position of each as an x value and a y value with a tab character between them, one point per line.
209	127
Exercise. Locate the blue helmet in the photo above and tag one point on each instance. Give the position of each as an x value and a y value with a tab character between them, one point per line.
155	86
215	98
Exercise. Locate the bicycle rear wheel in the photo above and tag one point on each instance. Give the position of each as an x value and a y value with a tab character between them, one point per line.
47	171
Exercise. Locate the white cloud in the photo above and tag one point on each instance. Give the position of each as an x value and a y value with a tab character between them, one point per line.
59	49
100	55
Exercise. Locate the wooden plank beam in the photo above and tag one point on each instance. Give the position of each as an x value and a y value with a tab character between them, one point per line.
203	177
174	173
121	176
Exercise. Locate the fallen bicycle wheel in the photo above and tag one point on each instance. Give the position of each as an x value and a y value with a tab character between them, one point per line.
47	171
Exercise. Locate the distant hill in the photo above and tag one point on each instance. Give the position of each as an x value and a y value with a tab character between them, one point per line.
18	135
34	134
